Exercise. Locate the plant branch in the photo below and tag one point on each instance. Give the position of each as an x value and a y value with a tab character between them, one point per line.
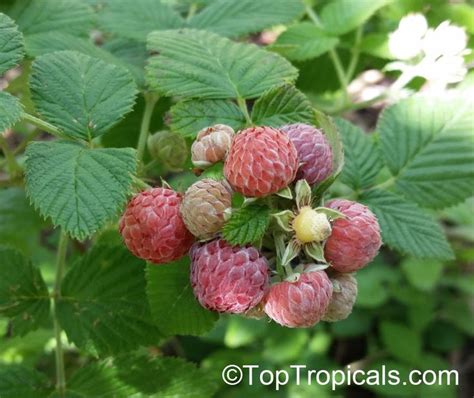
60	262
150	102
41	124
355	55
243	108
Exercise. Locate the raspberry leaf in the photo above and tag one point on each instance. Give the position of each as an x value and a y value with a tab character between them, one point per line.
361	158
406	227
402	342
282	105
80	189
172	302
10	110
427	145
225	70
103	305
247	224
189	117
237	18
20	381
24	297
11	44
66	16
83	96
304	41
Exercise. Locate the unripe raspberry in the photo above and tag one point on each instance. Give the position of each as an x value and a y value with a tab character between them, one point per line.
355	240
152	227
204	205
314	152
261	161
311	226
211	145
343	297
228	278
168	147
299	304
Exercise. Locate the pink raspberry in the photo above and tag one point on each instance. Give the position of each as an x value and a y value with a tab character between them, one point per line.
302	303
314	152
228	278
261	161
355	240
152	227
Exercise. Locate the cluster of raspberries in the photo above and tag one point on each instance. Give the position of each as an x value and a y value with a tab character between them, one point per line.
161	225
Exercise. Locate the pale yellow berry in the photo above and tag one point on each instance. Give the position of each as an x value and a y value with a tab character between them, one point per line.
311	226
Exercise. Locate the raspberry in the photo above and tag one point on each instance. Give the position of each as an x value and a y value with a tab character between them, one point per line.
301	303
168	147
261	161
152	227
314	152
343	298
228	278
354	240
204	205
211	145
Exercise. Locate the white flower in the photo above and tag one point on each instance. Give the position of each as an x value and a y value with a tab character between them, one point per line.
406	42
446	39
447	69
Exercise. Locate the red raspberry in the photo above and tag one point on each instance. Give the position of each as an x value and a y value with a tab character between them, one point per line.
314	152
261	161
354	240
152	227
228	278
302	303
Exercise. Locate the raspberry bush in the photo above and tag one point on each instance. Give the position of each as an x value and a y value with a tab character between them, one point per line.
188	184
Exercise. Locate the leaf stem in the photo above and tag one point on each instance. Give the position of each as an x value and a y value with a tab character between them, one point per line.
355	55
14	168
150	102
243	107
192	10
45	126
60	262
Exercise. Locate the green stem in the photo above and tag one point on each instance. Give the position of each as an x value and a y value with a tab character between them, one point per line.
384	185
355	55
14	168
150	102
31	136
192	10
243	107
60	262
45	126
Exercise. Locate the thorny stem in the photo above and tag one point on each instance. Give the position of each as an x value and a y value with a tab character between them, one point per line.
150	102
59	354
45	126
243	107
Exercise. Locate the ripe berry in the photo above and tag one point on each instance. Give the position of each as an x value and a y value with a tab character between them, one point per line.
314	152
261	161
204	205
211	145
228	278
355	240
152	227
299	304
343	297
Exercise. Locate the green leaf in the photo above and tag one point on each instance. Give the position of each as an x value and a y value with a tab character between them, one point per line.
24	296
282	105
427	144
361	161
10	110
402	342
342	16
134	20
81	189
11	44
407	228
376	44
236	18
423	274
83	96
67	16
188	117
373	283
172	302
247	224
304	41
103	303
166	377
97	380
225	69
17	381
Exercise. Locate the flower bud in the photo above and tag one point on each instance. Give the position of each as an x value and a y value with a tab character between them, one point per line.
169	148
211	145
311	226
